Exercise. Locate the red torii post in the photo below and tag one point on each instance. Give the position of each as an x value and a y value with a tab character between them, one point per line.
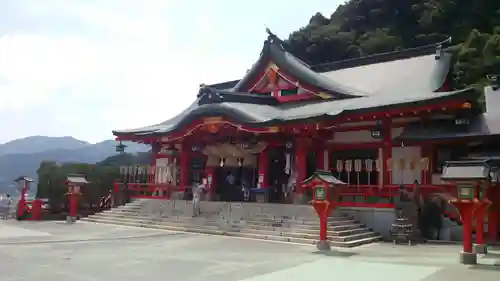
326	190
74	183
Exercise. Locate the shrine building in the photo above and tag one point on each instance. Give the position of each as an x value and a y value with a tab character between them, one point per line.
377	122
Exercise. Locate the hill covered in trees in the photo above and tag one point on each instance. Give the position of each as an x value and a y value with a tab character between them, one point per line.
364	27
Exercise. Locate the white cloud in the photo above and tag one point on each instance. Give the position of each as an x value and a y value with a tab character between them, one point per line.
86	86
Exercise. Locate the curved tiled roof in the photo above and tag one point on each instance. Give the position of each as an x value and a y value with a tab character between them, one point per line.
232	106
274	51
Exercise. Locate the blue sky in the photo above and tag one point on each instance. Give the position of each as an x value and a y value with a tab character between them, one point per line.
84	67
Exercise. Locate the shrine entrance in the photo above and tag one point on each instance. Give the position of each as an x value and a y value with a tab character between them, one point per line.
232	169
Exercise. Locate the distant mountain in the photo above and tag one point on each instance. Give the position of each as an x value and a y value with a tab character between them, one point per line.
36	144
23	156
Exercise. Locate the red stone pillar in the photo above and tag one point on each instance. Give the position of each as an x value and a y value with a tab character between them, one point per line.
386	151
73	204
301	151
184	169
466	208
263	179
480	212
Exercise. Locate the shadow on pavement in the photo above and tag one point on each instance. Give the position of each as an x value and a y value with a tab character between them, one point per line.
335	254
486	267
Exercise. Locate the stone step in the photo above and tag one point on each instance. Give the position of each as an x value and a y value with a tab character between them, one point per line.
146	222
297	218
300	222
211	222
291	233
206	230
334	227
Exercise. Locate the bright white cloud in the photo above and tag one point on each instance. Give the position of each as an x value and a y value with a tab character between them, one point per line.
85	67
85	86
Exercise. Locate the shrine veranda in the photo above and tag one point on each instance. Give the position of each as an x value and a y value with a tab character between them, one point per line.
377	123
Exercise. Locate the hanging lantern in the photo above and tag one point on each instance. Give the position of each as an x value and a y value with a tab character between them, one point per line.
240	162
123	170
358	165
376	133
369	165
221	164
348	165
120	147
340	166
424	164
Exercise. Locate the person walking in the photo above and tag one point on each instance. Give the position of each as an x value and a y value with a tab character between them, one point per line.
197	193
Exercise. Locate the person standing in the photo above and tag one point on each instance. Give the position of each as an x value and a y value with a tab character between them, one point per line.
197	193
230	189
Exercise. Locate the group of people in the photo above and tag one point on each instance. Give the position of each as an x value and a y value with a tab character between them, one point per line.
229	192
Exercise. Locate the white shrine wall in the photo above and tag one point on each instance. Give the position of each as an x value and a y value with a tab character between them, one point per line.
407	175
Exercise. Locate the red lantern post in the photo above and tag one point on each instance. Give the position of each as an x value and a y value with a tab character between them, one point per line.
326	190
22	207
470	177
74	183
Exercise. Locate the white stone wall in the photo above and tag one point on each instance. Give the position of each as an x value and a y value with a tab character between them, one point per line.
406	176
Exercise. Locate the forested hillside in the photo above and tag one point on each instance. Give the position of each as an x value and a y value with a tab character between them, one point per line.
364	27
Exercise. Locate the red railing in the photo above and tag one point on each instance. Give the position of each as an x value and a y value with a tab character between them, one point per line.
146	190
385	192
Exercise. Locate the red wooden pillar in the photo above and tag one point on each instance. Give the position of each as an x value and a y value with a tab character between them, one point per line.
263	180
386	150
466	210
301	151
73	204
480	212
184	169
320	156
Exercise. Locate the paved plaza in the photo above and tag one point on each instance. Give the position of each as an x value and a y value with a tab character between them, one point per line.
85	251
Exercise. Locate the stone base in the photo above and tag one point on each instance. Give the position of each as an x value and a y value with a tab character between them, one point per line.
260	198
299	198
178	195
323	246
468	258
70	219
480	249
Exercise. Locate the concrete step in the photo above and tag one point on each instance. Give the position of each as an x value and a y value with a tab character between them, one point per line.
206	230
333	227
333	230
299	222
297	218
214	224
291	233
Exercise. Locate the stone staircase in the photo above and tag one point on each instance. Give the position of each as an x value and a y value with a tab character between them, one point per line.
276	222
